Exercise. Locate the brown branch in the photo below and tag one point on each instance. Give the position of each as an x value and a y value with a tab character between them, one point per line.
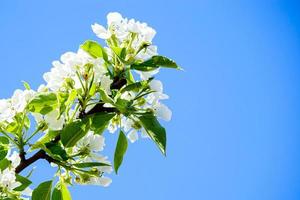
41	154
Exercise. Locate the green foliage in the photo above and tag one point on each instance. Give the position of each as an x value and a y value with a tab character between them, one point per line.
154	63
50	135
99	121
4	142
4	163
94	92
25	182
65	194
43	191
74	131
56	194
56	150
43	103
154	130
94	49
120	151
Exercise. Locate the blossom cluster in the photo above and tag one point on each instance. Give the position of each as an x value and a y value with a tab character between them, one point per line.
85	93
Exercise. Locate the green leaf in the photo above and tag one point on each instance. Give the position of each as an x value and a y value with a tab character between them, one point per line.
4	142
100	121
24	181
50	135
94	49
26	85
43	103
90	164
105	98
129	76
65	100
154	130
13	127
123	105
65	192
74	131
56	151
120	151
43	191
4	164
136	86
154	63
56	194
120	52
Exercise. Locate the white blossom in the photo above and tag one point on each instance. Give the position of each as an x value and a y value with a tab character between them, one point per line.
17	104
8	179
91	143
101	32
71	64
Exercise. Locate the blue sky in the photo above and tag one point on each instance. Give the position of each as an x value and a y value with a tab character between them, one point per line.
235	128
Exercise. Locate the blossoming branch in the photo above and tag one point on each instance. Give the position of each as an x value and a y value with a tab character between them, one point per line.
86	92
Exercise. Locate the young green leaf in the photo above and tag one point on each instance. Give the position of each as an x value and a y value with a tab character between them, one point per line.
74	131
43	103
100	121
154	63
105	98
50	135
120	151
24	182
154	130
4	142
90	164
43	191
120	52
65	194
135	86
26	85
4	164
94	49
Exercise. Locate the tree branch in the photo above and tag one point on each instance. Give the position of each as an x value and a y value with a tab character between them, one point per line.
41	154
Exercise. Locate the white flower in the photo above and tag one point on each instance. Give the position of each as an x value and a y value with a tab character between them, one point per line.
6	111
112	127
101	32
10	107
147	75
70	64
53	122
8	179
102	181
154	97
122	27
114	17
42	88
99	69
126	123
105	84
133	135
162	111
20	99
117	25
147	53
91	142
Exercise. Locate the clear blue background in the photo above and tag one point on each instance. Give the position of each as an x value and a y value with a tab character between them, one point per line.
235	130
